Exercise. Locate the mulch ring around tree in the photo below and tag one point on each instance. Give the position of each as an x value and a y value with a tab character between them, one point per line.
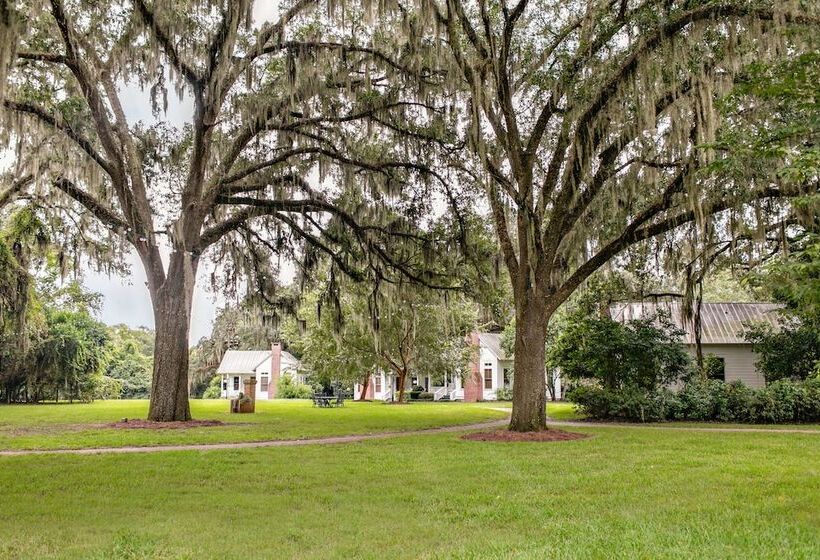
542	436
149	425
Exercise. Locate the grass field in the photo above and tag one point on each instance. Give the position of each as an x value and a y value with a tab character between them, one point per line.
53	426
623	493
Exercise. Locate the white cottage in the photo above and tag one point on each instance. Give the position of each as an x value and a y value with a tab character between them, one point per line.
722	325
489	370
267	366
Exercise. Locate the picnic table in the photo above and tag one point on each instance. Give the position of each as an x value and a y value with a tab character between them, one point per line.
327	401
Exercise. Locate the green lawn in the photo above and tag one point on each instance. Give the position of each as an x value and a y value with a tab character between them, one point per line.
53	426
624	493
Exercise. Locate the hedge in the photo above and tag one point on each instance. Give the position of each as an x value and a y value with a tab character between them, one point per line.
705	401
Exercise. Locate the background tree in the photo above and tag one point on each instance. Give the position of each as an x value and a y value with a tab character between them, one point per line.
418	333
280	155
128	359
70	357
23	242
590	123
250	325
793	279
645	353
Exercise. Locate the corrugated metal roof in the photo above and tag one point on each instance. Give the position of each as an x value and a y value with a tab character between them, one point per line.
492	341
289	359
242	361
721	323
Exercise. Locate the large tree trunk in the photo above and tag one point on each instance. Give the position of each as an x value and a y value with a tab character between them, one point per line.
365	387
172	317
529	408
402	373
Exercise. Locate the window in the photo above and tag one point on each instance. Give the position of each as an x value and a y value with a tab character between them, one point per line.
488	378
377	386
715	367
263	383
236	383
224	385
507	380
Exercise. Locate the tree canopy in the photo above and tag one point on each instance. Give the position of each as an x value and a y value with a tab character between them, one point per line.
347	130
279	158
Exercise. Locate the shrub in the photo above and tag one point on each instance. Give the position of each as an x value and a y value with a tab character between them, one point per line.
214	389
592	401
289	388
700	400
645	353
781	402
504	394
424	396
807	405
739	400
630	403
775	403
793	352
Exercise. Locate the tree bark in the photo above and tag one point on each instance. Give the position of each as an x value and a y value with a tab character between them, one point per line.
365	386
402	380
529	408
172	318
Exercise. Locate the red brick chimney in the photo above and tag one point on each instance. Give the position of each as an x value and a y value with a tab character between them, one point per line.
275	369
368	395
474	383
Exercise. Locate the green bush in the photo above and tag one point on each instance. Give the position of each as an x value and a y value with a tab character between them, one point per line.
704	401
424	396
630	403
289	388
645	352
701	401
793	352
504	394
807	407
739	400
775	403
214	389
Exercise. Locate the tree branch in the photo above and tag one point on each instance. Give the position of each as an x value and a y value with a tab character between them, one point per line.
164	39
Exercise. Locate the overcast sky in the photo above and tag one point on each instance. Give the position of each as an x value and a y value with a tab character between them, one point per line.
126	300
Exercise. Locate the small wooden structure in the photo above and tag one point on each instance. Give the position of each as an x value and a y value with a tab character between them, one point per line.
245	403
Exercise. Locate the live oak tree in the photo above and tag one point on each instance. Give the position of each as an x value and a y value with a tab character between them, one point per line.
406	330
591	126
290	151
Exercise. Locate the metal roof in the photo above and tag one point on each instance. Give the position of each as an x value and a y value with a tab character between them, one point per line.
289	359
492	341
242	361
721	323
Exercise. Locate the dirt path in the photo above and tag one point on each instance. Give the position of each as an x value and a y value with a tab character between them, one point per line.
381	435
717	428
253	444
681	428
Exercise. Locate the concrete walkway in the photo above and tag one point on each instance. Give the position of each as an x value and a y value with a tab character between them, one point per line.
253	444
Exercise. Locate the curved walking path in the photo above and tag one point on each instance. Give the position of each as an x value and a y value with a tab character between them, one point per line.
716	428
254	444
575	424
380	435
